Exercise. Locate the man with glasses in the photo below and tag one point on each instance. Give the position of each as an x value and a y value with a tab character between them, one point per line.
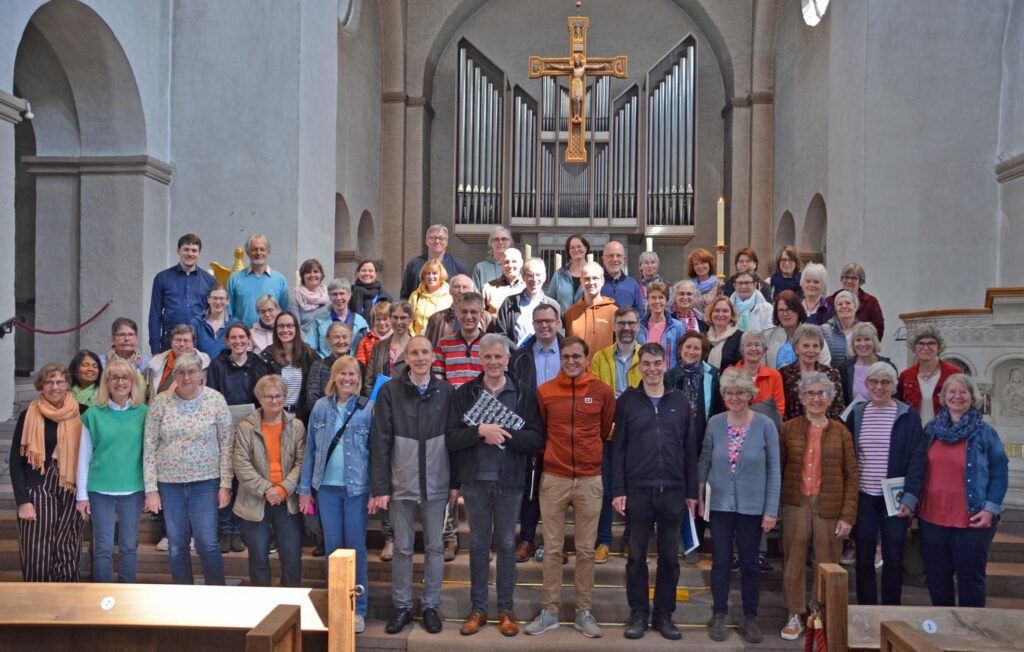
578	411
490	268
592	318
625	290
247	285
445	323
437	250
534	363
179	294
515	316
617	366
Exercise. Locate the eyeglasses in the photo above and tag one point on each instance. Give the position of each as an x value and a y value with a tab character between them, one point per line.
437	238
57	382
743	283
573	356
501	239
927	344
272	398
879	382
783	311
529	276
627	324
545	322
120	379
187	373
821	393
124	336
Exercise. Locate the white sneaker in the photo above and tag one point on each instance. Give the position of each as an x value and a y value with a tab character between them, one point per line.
793	629
587	625
163	546
360	624
544	622
192	545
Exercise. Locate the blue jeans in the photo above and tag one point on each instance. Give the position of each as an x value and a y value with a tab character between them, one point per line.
127	510
960	552
288	530
872	520
192	504
344	519
493	510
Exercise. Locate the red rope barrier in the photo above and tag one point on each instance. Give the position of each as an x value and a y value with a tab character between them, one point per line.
85	323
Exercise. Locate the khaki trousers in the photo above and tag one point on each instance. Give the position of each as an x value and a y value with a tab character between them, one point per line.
556	494
801	524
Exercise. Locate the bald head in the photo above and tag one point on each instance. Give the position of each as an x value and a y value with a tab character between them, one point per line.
458	284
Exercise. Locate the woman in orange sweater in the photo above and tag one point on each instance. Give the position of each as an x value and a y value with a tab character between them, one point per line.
767	380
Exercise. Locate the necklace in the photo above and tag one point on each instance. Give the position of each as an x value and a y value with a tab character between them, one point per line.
815	305
925	377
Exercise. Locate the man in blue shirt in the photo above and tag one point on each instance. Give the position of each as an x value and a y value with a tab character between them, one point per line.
179	294
437	249
247	285
624	290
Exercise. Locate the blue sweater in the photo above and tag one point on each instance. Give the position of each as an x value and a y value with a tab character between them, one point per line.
625	291
755	487
177	298
244	288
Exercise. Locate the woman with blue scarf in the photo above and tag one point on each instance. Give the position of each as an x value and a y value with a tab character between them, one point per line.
962	497
700	267
699	382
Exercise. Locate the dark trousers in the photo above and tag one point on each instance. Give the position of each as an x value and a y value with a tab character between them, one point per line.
665	509
256	535
529	517
955	552
492	511
604	522
227	521
51	545
745	531
872	521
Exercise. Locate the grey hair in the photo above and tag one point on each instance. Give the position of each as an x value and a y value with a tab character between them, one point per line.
536	261
649	256
754	335
679	284
808	330
882	369
470	297
188	360
435	228
492	339
514	251
863	329
501	229
817	378
816	271
851	295
340	284
733	378
248	241
927	330
968	382
854	269
595	267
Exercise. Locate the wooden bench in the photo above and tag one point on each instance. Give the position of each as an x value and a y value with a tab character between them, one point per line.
860	627
85	616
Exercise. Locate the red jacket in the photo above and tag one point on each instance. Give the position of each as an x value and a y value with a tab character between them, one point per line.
578	414
909	390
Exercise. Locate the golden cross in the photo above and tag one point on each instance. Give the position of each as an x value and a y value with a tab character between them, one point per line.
577	66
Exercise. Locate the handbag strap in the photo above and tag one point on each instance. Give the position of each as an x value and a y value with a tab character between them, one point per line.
360	404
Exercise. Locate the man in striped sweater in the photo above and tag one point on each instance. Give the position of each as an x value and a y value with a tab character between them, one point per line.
457	360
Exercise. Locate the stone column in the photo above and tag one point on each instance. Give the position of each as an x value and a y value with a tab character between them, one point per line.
10	115
761	177
394	250
738	194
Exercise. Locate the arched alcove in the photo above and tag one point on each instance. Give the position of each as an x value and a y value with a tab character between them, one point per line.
812	236
342	224
785	234
367	244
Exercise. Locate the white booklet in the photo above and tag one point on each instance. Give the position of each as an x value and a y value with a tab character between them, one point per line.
707	502
892	491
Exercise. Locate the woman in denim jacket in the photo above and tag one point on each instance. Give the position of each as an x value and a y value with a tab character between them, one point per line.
962	497
341	476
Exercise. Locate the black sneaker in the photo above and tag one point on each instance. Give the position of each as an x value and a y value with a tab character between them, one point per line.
763	565
751	631
734	565
272	549
667	628
718	632
225	543
431	621
636	626
319	551
399	619
237	545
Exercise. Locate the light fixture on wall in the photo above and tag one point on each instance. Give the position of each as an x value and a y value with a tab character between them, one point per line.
28	111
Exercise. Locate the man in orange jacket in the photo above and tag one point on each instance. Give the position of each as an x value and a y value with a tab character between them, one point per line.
592	318
578	411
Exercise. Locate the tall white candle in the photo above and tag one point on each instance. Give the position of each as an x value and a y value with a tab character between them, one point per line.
558	261
721	220
650	244
590	258
529	252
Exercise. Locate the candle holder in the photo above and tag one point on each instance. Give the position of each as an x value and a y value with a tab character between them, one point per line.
720	250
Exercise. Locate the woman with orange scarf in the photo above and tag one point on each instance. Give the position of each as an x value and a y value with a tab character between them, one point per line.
43	467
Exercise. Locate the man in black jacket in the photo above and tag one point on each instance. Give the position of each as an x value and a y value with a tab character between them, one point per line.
489	465
654	481
534	363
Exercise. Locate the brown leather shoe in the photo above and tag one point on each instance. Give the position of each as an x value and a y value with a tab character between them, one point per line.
474	621
525	550
507	624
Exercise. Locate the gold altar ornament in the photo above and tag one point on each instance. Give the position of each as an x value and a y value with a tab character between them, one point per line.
577	66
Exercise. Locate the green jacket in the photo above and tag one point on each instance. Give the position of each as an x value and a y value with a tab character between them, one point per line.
252	466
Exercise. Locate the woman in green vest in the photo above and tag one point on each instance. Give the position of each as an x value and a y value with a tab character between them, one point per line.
110	469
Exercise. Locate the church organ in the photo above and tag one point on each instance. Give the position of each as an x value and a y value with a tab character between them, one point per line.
510	146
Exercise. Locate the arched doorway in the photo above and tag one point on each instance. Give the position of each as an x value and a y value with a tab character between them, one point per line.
785	234
87	188
368	246
812	237
342	237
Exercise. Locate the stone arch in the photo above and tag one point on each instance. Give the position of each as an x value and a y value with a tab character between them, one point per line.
342	224
90	176
960	362
785	234
366	237
812	236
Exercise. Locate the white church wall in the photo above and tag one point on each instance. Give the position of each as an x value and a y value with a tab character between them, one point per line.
1011	151
358	128
646	31
244	136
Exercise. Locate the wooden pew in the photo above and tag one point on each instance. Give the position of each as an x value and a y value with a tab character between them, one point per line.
197	618
859	627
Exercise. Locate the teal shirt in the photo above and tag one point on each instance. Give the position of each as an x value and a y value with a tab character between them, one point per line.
334	471
116	435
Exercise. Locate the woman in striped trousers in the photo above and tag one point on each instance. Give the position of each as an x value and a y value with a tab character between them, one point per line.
43	466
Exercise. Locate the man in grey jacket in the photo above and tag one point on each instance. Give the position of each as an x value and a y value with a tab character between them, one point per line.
410	469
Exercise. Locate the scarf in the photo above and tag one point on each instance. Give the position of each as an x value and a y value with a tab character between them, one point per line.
785	356
743	308
311	299
690	320
135	359
69	432
705	286
85	395
693	377
168	369
943	428
715	339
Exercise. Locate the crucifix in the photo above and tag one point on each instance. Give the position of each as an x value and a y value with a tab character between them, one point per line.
577	66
